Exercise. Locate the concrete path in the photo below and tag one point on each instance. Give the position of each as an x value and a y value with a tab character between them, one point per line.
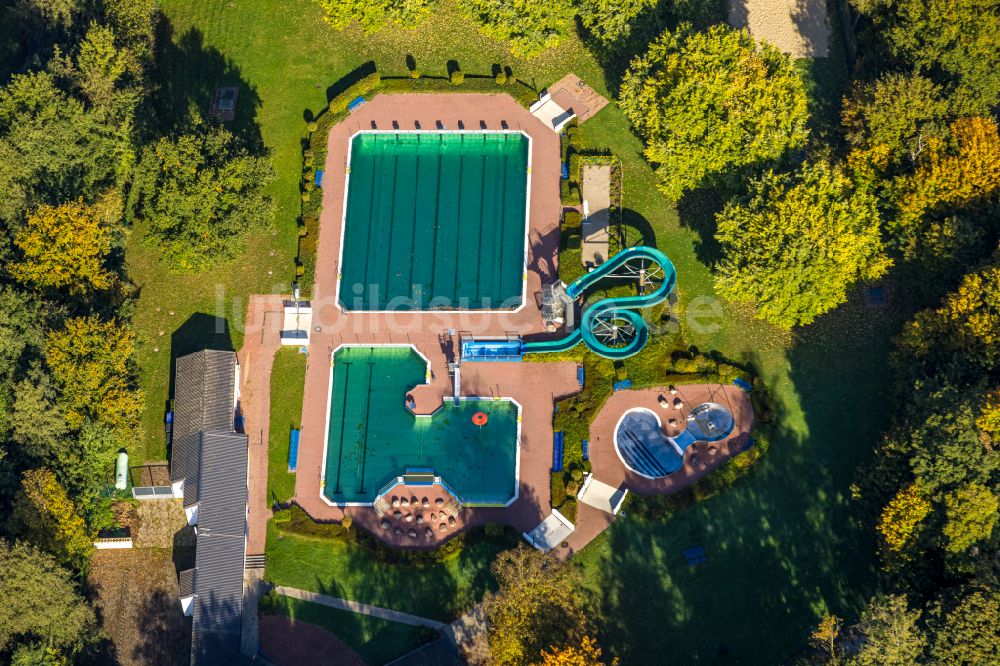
356	607
596	192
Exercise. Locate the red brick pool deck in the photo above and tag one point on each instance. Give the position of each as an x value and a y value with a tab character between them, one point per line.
535	386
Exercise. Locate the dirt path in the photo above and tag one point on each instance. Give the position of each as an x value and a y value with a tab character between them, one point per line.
797	27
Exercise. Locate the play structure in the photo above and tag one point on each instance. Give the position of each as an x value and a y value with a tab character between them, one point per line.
611	327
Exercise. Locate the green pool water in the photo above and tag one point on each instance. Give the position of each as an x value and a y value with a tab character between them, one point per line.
373	438
435	220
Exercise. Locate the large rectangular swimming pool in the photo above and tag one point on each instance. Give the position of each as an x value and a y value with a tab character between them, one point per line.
435	221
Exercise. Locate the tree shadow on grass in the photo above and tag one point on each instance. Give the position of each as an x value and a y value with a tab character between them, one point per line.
187	73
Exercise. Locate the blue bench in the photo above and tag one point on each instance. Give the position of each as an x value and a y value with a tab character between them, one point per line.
743	384
293	449
558	441
565	171
319	178
695	556
622	385
355	103
585	444
580	375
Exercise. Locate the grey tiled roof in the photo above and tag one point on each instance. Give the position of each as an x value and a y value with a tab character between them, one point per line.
204	385
212	459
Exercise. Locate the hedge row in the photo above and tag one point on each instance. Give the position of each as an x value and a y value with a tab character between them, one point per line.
361	87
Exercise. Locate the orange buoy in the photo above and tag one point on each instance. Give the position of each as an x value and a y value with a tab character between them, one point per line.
480	419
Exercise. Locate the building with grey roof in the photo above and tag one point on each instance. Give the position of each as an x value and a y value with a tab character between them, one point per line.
208	468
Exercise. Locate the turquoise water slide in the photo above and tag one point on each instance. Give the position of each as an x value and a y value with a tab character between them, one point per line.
612	327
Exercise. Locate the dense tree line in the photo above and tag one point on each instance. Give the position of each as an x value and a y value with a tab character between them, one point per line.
82	160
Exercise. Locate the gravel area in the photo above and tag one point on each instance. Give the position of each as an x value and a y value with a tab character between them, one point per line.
797	27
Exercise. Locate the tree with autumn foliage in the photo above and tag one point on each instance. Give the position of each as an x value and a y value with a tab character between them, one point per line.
587	653
901	518
91	362
64	247
537	605
45	515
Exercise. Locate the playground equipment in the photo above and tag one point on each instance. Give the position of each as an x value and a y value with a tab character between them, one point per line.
610	327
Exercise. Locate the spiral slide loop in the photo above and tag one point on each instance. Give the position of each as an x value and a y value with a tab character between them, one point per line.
612	327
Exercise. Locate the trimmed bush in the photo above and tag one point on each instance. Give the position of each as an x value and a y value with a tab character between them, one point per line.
494	530
572	220
570	195
457	78
312	127
347	522
501	79
576	475
415	74
558	489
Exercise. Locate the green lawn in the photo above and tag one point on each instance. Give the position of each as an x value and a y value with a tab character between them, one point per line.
783	544
288	378
350	571
376	641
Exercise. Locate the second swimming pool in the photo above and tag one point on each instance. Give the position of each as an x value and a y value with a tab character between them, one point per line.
373	438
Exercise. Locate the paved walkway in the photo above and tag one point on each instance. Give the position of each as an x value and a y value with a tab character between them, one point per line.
571	92
356	607
260	343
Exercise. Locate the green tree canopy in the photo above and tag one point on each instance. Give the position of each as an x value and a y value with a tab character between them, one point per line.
965	628
971	512
892	636
530	26
900	112
709	102
53	149
797	244
372	15
953	42
610	21
200	194
38	599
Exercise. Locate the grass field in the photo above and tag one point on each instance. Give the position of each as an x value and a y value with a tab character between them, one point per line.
783	544
350	571
287	377
376	641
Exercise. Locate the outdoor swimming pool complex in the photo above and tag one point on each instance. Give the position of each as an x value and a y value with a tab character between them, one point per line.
373	438
435	221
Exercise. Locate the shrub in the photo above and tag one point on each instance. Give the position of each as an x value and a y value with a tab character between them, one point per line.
339	103
501	79
347	522
572	488
307	155
575	165
494	530
576	475
572	219
569	194
414	73
300	270
457	77
558	488
568	510
312	127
